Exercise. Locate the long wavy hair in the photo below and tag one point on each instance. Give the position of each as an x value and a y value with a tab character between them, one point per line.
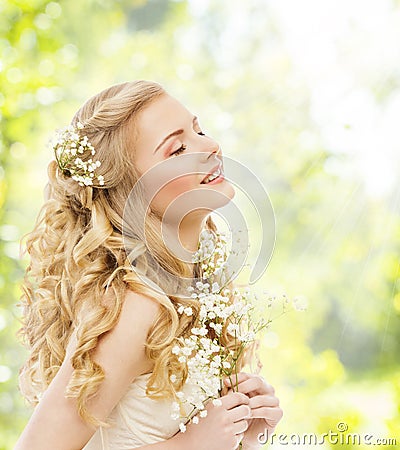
79	257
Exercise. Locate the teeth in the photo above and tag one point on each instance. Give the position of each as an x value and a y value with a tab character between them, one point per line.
213	176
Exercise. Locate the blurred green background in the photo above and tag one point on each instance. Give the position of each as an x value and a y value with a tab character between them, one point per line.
307	95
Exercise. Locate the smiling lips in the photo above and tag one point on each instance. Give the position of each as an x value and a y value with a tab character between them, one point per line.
216	172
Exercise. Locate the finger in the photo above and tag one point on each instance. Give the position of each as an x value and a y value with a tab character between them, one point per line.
233	399
259	384
256	385
224	390
271	415
234	379
240	427
263	400
239	413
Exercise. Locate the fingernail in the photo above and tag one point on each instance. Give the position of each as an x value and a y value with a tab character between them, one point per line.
227	381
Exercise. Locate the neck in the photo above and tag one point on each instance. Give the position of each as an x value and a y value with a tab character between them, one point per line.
189	233
183	238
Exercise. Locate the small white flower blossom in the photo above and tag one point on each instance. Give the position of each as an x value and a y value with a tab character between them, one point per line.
247	337
176	350
215	287
186	351
188	311
233	329
175	406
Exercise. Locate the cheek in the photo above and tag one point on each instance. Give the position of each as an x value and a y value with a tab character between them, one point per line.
180	185
173	189
165	181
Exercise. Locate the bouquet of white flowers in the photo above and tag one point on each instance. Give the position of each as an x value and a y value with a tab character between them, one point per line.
208	360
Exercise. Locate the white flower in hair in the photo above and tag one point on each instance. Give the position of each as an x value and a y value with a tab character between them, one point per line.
69	149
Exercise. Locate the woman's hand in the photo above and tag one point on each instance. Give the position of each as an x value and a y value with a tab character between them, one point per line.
222	429
265	410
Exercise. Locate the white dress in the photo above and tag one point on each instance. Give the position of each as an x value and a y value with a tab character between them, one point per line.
138	420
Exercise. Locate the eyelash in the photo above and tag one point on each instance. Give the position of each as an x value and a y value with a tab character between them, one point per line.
179	150
184	147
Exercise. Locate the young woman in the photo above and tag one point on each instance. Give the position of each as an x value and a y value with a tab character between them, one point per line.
99	333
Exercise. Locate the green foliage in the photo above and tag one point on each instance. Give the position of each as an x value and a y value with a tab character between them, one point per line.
336	245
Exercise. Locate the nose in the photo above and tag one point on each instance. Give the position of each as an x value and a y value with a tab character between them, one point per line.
211	148
217	151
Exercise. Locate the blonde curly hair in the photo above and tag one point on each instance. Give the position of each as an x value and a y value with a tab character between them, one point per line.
78	256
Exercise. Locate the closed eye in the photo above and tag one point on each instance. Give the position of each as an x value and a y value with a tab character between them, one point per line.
179	150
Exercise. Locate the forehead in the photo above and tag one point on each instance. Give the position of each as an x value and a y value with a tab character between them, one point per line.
162	116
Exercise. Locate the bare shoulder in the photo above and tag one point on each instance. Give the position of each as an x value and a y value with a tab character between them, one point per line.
121	350
124	345
141	308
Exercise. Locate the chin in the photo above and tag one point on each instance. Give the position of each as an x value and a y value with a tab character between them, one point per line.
227	189
231	190
226	193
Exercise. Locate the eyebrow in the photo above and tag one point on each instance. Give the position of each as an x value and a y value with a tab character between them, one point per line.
174	133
